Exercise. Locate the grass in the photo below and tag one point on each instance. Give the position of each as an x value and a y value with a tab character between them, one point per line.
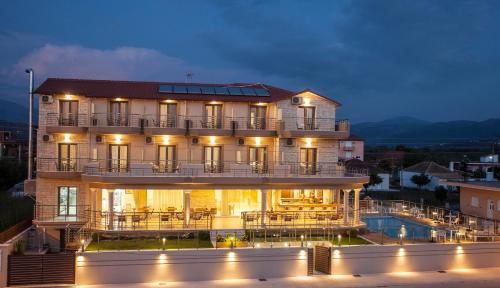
345	240
147	244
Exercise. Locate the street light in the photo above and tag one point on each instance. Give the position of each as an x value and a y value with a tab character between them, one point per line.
30	125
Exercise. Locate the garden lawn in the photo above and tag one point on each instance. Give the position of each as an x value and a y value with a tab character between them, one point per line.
147	244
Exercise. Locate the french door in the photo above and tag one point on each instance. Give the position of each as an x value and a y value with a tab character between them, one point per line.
168	115
66	160
213	116
118	157
66	201
257	117
306	118
68	113
167	158
308	161
258	159
118	113
213	159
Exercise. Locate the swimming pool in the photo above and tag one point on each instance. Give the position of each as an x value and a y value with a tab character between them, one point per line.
391	226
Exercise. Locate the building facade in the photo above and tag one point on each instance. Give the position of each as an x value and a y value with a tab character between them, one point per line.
352	148
122	155
480	198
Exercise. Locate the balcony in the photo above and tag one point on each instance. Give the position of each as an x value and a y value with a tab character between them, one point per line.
295	127
112	123
60	168
66	123
55	215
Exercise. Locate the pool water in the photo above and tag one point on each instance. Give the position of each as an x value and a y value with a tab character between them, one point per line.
391	226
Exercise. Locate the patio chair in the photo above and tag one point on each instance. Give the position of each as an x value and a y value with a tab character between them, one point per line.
136	219
122	219
320	217
165	217
273	217
197	216
179	216
213	211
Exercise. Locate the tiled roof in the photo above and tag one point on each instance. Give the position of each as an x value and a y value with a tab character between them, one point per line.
433	169
149	90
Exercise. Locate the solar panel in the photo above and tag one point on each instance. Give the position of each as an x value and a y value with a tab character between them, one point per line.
261	92
234	90
194	89
248	91
221	91
180	89
207	90
165	89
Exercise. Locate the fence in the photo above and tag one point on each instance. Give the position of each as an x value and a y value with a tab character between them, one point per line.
41	269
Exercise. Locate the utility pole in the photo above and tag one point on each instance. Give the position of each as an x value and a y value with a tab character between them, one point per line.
30	124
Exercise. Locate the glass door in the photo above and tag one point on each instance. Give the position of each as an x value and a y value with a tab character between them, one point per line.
66	160
168	115
118	157
118	113
213	116
68	113
167	158
257	117
258	159
213	159
67	201
309	118
308	161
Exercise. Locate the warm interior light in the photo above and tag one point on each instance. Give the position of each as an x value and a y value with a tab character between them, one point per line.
257	141
212	140
118	138
67	138
308	142
68	96
166	139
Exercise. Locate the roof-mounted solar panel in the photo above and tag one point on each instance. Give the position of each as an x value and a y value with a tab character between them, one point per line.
248	91
221	91
180	89
235	91
207	90
194	89
261	92
165	89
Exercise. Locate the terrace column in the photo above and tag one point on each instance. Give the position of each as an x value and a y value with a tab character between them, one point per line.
111	201
346	207
263	207
337	196
356	206
187	207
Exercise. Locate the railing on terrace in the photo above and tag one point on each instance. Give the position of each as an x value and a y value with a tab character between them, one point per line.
61	213
61	164
314	124
115	120
210	122
67	119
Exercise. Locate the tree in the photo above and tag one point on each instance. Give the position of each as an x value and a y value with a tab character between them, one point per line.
385	164
479	173
496	172
420	180
440	193
374	180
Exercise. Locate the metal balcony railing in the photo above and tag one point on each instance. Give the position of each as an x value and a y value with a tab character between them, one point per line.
115	120
67	119
314	124
210	122
60	164
61	213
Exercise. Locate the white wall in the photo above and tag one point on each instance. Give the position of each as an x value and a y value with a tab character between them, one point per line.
384	186
405	181
189	265
408	258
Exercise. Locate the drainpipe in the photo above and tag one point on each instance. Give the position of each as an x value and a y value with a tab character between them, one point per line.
30	125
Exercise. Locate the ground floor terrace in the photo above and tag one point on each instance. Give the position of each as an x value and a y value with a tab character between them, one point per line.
124	209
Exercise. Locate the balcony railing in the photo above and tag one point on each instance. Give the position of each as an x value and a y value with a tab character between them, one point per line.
210	122
61	164
67	119
62	213
115	120
314	124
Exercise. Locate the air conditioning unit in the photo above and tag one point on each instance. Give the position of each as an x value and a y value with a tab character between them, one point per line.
289	142
47	99
99	139
194	140
149	140
241	141
296	100
48	138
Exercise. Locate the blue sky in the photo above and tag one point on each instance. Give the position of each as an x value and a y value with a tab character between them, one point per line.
435	60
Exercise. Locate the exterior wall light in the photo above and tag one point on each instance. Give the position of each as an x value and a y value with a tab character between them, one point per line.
68	96
67	138
308	142
166	139
257	141
212	140
118	138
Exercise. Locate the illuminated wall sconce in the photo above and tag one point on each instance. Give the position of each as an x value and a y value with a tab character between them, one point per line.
67	138
308	142
166	140
169	101
118	138
68	96
261	104
307	102
257	141
212	140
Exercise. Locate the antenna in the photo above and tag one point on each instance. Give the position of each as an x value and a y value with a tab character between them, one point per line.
189	77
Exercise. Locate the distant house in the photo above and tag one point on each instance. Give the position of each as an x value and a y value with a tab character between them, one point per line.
434	171
481	199
486	163
352	148
357	164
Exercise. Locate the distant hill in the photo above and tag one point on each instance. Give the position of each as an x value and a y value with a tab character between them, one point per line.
411	130
13	112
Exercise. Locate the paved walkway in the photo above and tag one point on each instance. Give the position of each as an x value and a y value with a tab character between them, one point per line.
483	278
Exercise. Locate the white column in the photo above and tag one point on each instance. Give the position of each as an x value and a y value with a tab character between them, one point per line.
346	207
263	206
327	196
111	201
356	206
187	207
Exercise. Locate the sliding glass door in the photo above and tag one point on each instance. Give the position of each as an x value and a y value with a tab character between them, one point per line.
67	201
167	159
213	159
118	157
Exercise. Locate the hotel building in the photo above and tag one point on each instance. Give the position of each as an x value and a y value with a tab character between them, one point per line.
150	156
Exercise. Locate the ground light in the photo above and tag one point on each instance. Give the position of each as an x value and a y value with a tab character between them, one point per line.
302	241
164	240
339	237
83	244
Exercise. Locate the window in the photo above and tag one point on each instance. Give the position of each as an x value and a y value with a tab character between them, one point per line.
257	117
68	113
118	157
474	202
67	201
348	155
118	113
213	159
306	118
308	161
348	144
168	115
67	157
258	159
167	158
213	116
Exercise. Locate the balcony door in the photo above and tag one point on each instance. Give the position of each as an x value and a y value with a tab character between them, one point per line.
118	113
258	159
308	161
306	118
257	117
168	115
68	113
167	158
66	201
213	159
213	116
66	160
118	157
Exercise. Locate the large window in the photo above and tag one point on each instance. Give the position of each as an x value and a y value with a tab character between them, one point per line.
66	160
257	117
67	201
118	157
118	113
68	113
167	158
212	116
168	115
258	159
308	161
213	159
